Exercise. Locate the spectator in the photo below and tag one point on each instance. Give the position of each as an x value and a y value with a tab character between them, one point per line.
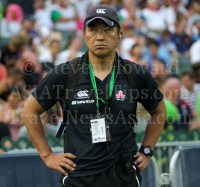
154	16
196	31
49	129
128	21
4	130
82	7
27	6
195	59
175	7
173	93
181	41
164	40
42	16
136	55
65	17
139	26
124	13
159	70
50	55
156	52
31	68
141	40
193	13
3	72
127	42
11	111
36	37
190	90
11	50
14	77
14	13
12	23
74	47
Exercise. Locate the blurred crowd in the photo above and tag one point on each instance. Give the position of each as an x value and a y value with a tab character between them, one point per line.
37	35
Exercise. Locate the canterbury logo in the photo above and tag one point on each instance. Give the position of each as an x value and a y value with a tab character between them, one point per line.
101	11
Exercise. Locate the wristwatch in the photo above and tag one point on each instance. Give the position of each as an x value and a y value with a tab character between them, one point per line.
146	150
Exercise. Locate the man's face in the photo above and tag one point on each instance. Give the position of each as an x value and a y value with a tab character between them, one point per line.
153	49
187	82
158	69
176	90
64	2
136	51
154	5
39	4
55	47
175	5
77	43
100	38
182	25
14	98
28	25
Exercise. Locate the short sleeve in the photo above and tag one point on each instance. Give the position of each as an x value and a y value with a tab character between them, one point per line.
51	88
148	93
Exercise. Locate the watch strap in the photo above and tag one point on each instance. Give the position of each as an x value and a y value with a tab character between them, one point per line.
142	150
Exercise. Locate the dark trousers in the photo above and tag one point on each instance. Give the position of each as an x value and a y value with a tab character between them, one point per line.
106	179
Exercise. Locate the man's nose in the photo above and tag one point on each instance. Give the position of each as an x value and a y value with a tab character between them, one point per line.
100	35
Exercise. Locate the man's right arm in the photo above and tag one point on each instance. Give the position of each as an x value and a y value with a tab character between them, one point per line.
31	117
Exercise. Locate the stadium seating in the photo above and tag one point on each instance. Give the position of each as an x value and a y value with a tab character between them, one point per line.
28	170
185	167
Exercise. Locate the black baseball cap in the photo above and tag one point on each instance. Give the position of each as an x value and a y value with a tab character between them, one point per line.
104	12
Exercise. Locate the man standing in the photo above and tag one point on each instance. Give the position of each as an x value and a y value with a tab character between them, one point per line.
98	138
173	93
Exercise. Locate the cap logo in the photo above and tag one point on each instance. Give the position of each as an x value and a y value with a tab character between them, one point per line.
101	11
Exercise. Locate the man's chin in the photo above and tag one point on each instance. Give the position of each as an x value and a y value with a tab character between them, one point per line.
101	53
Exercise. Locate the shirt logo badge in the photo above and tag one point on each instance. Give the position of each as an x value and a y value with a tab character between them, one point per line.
82	102
83	94
101	11
73	102
120	96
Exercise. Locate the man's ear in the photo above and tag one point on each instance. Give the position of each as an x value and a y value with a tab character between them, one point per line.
120	37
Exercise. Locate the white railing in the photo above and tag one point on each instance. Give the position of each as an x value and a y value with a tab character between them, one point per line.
170	146
162	167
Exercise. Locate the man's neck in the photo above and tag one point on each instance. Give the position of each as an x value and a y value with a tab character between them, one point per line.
179	32
174	100
53	56
72	48
10	47
191	89
102	65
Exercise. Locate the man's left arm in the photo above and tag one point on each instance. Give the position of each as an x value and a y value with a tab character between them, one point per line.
153	131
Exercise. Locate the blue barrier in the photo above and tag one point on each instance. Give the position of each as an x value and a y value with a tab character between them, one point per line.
150	175
26	170
185	166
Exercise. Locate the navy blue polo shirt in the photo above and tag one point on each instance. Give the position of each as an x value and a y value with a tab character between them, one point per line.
95	158
185	115
182	42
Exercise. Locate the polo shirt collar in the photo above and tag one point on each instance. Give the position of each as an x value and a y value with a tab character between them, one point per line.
86	70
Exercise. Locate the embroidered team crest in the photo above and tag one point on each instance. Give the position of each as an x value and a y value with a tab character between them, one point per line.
83	94
120	96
